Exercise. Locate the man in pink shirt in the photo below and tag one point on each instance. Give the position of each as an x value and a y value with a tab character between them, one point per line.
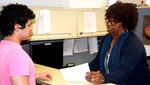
16	67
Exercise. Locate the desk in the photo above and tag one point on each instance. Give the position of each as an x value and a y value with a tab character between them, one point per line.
58	78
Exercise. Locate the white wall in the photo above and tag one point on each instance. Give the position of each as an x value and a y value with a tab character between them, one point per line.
41	3
60	3
68	3
88	3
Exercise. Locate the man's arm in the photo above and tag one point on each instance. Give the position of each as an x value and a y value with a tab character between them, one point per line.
20	80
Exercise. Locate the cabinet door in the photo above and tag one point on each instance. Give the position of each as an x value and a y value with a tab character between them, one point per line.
100	22
63	24
96	17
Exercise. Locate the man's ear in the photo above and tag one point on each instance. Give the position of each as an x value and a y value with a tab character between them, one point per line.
17	27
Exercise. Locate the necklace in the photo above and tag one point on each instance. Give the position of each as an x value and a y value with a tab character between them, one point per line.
106	63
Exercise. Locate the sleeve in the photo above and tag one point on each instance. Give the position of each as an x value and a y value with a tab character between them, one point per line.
130	57
18	63
94	64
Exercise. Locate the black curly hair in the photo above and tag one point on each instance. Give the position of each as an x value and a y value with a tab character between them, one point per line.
12	14
124	12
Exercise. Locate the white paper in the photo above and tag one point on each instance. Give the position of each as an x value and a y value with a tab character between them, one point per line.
43	25
93	45
89	22
80	45
147	48
78	83
76	73
68	47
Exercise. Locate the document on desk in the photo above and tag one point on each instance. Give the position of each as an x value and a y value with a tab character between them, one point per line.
76	73
147	48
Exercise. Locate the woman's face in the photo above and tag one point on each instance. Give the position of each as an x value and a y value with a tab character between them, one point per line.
114	27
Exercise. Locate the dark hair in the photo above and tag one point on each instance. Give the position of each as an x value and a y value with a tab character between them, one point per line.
12	14
124	12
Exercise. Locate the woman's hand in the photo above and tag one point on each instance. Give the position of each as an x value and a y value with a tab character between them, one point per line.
94	77
44	76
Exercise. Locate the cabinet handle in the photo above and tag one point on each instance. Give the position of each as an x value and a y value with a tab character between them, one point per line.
81	33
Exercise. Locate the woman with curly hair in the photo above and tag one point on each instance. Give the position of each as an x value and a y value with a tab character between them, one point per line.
122	57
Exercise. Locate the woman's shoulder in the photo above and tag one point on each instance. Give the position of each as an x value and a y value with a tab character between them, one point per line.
134	38
133	41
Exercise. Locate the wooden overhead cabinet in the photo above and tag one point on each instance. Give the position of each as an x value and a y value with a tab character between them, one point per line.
68	23
63	24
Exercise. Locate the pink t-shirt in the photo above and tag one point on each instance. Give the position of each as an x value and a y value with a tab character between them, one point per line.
14	61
